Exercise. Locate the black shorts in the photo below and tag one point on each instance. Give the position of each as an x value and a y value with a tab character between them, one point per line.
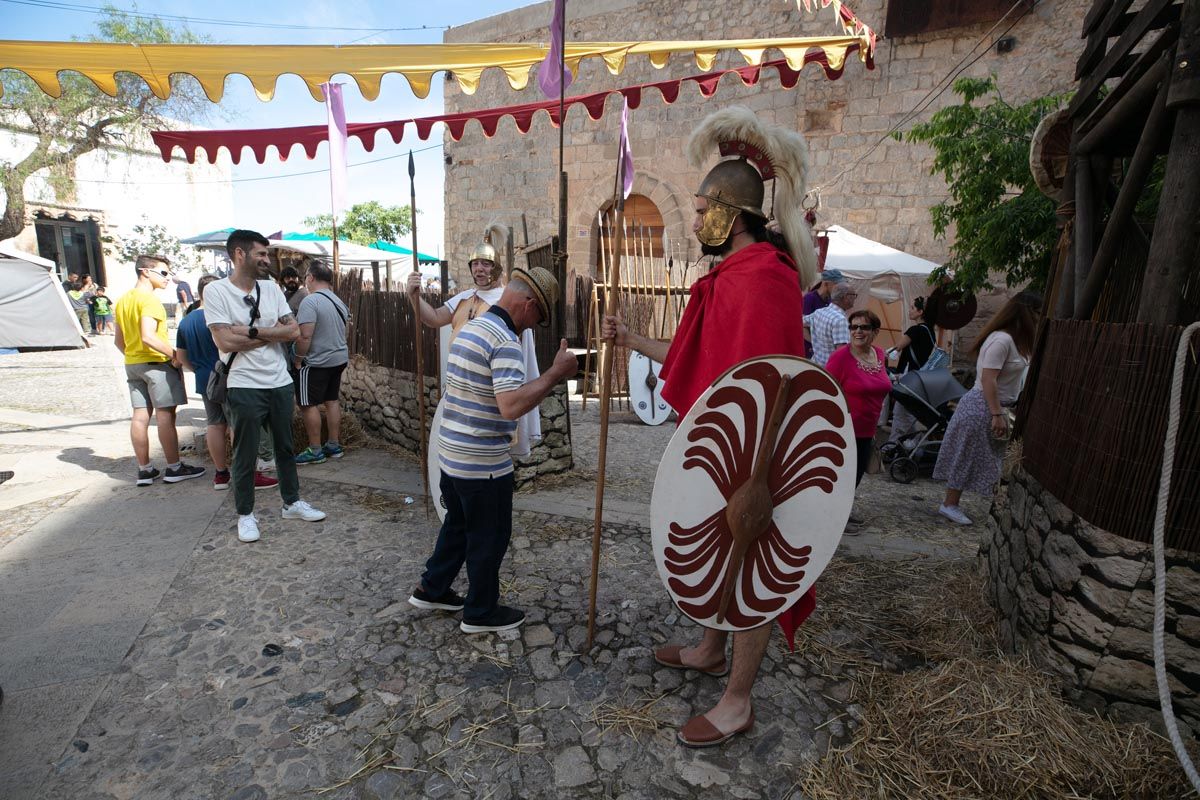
316	385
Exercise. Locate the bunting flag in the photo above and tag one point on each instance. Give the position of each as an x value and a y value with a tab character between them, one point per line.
336	113
553	76
211	64
849	21
310	136
626	152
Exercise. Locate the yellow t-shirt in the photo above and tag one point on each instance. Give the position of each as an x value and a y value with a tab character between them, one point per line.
133	305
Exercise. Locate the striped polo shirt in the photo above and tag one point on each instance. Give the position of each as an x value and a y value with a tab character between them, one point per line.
485	358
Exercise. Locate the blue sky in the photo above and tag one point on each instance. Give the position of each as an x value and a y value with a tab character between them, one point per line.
282	202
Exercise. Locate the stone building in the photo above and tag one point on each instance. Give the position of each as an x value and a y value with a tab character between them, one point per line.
877	187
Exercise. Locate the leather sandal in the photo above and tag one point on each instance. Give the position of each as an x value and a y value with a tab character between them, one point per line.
669	657
698	732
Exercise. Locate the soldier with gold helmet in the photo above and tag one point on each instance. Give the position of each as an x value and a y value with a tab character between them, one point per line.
749	305
487	273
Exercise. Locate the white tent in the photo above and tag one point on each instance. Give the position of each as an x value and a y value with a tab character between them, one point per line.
34	310
354	256
887	279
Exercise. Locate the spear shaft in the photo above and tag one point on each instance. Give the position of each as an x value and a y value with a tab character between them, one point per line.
419	335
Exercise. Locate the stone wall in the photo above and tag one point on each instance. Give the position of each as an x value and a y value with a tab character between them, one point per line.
1080	601
885	194
385	402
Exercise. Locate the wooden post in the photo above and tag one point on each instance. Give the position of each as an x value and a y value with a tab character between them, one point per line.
375	274
418	339
1085	227
1175	245
1122	212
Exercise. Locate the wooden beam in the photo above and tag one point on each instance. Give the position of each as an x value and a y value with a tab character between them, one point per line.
1133	35
1122	113
1099	35
1085	226
1146	61
1122	212
1175	245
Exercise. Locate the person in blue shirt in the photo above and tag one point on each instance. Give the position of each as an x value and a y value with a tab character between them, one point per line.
198	352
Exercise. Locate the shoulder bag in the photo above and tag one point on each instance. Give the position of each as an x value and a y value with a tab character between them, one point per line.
938	358
217	388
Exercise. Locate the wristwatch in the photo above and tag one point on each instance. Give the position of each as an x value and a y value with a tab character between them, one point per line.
253	332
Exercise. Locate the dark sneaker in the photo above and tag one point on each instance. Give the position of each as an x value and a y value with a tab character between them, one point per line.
310	456
183	472
447	601
146	476
502	618
333	450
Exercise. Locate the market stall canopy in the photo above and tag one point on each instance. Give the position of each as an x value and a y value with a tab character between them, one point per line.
211	64
395	248
350	255
311	136
887	280
209	238
34	311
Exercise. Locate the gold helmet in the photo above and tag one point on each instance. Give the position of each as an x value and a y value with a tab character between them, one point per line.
764	152
730	187
494	235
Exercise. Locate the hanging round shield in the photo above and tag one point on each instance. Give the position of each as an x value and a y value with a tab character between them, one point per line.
753	492
432	468
645	390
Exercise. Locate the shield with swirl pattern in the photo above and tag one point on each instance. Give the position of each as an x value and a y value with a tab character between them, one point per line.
753	492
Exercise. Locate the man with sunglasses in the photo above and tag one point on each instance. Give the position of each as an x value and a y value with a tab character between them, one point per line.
152	370
251	323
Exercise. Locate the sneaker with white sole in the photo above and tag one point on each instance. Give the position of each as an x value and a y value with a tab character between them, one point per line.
502	618
146	476
302	510
247	528
954	514
184	472
447	601
264	465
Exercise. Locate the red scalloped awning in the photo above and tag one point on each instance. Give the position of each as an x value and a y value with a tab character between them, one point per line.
310	136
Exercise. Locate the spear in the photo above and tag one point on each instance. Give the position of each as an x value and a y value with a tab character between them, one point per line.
606	371
416	303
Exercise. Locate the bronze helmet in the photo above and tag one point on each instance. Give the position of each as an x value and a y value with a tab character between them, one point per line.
485	251
731	187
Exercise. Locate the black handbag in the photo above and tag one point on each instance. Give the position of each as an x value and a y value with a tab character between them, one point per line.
217	388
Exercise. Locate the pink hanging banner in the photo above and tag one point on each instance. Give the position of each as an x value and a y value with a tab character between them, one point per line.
553	76
626	152
338	138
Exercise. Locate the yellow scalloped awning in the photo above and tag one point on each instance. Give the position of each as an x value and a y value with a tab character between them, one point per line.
211	64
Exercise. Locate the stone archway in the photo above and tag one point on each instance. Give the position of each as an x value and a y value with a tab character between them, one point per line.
672	206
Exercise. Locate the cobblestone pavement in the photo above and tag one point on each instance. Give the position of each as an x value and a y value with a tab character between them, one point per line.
66	382
295	665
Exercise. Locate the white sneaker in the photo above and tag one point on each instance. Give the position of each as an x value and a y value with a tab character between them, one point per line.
954	514
302	510
264	465
247	528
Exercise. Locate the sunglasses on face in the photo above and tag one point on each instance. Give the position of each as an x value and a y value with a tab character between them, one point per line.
164	272
867	328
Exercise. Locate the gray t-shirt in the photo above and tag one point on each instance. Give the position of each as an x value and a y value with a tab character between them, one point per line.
328	347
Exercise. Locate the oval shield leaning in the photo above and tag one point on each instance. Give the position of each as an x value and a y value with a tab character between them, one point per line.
645	390
741	531
432	468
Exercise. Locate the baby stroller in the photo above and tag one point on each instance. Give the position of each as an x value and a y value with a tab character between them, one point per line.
929	396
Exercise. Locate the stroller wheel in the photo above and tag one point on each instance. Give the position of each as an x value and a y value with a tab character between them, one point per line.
903	470
888	452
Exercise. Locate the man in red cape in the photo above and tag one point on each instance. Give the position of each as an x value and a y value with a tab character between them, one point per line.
750	304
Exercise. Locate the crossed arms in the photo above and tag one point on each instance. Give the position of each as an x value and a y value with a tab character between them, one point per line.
236	338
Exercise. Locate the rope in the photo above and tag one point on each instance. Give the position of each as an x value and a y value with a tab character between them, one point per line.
1160	585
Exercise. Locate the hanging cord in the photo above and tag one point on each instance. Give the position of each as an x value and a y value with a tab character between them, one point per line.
1160	570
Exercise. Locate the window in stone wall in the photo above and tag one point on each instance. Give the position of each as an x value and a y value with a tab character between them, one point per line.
910	17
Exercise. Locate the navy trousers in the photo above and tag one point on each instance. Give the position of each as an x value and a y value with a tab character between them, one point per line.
476	531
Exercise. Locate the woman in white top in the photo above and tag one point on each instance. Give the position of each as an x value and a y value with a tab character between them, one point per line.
972	450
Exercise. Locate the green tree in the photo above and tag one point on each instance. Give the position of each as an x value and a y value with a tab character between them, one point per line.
366	223
1002	222
84	119
147	239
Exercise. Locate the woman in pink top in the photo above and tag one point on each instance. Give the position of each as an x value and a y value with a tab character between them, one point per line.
860	368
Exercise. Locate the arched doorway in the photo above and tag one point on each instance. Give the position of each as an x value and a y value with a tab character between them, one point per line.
643	232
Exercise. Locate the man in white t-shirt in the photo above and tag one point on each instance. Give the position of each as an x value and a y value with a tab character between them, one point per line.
251	323
470	303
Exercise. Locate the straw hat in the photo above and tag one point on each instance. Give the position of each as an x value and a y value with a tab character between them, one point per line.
545	289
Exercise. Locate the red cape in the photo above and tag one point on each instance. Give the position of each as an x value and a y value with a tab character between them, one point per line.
749	305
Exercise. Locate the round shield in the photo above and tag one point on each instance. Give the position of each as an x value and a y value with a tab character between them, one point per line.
432	468
741	530
645	390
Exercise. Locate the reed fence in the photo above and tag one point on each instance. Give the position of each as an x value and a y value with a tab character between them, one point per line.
1094	426
381	325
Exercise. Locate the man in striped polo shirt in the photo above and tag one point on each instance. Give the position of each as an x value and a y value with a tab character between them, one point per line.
486	392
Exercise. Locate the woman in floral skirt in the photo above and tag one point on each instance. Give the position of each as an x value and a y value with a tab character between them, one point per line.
973	448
